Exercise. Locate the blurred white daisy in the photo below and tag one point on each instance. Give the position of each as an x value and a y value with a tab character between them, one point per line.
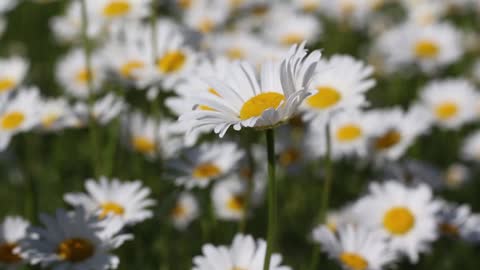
206	15
455	221
354	12
103	110
185	211
205	163
244	253
118	9
426	12
309	6
250	101
7	5
341	84
73	76
13	229
56	114
431	46
356	248
150	137
73	241
229	198
130	201
405	214
471	147
18	113
451	102
12	73
456	175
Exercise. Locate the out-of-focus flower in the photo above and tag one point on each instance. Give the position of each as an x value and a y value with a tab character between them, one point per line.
127	200
102	110
185	210
7	5
456	175
229	198
109	10
244	253
354	12
12	73
471	147
13	229
456	220
206	15
56	114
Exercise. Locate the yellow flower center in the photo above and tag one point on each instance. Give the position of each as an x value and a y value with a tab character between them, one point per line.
12	120
185	4
112	208
446	110
143	145
171	62
310	6
83	76
6	84
235	53
206	170
325	97
292	38
258	104
236	203
289	156
388	140
75	250
260	10
179	211
116	8
6	253
128	68
348	133
206	26
398	220
353	261
427	49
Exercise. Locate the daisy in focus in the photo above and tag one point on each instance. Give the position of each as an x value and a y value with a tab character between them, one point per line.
127	200
451	102
244	253
406	215
73	241
12	73
185	211
249	101
356	248
205	163
13	229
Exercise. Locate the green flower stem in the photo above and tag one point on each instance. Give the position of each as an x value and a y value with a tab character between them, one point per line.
87	47
242	225
272	197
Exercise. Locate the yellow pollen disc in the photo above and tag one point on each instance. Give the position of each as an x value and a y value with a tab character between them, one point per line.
171	62
260	103
75	250
291	39
185	4
83	76
347	7
143	145
332	226
236	203
289	156
179	211
49	120
206	170
348	133
325	97
111	208
260	10
426	49
388	140
449	229
206	26
310	6
6	254
128	68
446	110
116	8
353	261
398	220
6	84
12	120
235	53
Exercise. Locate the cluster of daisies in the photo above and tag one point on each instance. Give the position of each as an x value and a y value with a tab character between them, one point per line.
222	66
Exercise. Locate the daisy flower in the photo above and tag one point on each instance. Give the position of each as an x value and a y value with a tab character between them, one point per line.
251	102
244	253
128	200
18	114
73	241
355	12
356	248
149	137
405	214
426	13
287	27
451	102
456	220
103	110
12	73
119	9
13	229
56	114
73	76
431	46
185	211
229	198
205	15
309	6
234	45
456	175
205	163
471	147
341	85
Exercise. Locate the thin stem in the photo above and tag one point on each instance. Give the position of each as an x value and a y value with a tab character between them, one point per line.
250	172
272	197
87	47
33	190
